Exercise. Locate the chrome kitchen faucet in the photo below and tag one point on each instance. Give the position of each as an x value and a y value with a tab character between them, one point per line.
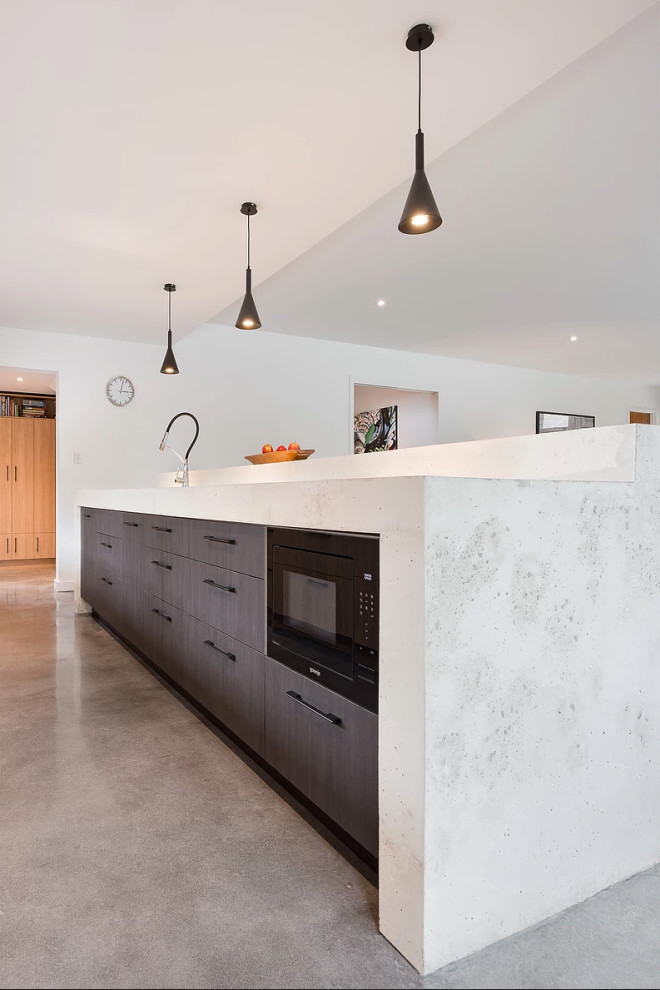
181	477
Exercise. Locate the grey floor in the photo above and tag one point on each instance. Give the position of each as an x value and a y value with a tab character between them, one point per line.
138	850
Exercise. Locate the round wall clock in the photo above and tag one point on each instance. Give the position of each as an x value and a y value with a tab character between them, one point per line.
120	390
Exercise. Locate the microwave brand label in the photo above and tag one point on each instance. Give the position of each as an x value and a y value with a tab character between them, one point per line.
313	670
367	577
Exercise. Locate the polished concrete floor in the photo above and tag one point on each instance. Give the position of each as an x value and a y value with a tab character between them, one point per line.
138	850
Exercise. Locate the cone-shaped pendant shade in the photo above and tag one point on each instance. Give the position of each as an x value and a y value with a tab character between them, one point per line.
420	214
169	365
248	318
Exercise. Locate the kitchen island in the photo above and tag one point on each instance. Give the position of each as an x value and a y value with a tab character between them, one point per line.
519	636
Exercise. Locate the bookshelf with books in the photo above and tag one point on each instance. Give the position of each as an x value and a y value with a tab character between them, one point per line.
30	405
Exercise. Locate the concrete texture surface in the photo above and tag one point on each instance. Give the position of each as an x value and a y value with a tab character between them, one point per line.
138	850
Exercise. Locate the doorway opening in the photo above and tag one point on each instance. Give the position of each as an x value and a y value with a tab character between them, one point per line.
27	465
415	419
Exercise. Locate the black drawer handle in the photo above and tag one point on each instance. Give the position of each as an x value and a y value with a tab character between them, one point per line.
87	515
161	529
108	545
131	524
168	618
209	642
220	587
159	563
328	716
216	539
106	581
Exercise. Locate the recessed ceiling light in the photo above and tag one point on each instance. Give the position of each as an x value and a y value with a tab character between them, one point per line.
573	339
19	379
381	302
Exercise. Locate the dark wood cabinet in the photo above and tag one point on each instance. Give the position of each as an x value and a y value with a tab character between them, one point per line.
227	678
169	534
108	554
236	546
165	636
88	519
132	533
229	601
166	576
327	747
190	595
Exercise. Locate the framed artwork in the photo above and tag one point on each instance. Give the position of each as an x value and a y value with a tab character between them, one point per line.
549	422
375	430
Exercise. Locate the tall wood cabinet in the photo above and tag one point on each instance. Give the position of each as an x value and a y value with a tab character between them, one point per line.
27	486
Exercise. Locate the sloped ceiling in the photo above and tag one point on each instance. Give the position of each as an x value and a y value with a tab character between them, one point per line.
131	132
551	230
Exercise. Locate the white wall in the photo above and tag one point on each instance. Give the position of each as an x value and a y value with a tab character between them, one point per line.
249	388
417	412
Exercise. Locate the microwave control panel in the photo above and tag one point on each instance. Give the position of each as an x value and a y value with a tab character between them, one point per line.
366	608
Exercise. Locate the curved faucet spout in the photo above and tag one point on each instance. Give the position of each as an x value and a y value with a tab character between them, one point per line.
182	475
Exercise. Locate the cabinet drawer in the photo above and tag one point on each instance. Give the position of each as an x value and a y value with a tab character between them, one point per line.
108	553
166	533
109	521
334	763
164	631
108	601
237	546
227	677
133	526
227	600
166	576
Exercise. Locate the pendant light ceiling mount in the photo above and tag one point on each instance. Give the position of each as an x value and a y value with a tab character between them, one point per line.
169	365
248	317
420	214
420	37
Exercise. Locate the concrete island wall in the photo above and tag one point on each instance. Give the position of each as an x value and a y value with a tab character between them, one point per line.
542	712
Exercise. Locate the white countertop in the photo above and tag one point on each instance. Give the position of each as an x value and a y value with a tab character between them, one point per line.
603	454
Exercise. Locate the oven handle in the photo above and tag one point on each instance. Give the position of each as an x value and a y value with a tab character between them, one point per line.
322	584
328	716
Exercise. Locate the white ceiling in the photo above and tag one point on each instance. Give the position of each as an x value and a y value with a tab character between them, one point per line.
551	230
44	382
131	132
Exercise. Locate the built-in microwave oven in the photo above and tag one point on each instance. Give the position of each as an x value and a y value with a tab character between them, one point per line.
323	609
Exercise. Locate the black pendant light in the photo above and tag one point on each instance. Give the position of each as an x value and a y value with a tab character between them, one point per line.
169	366
248	318
420	214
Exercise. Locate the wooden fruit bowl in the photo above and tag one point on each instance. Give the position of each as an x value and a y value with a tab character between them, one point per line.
278	455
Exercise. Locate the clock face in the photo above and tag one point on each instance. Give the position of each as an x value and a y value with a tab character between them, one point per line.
119	390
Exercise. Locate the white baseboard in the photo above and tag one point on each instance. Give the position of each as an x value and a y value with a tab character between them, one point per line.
62	585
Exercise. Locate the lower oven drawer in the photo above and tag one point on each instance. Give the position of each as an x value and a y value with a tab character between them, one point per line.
327	747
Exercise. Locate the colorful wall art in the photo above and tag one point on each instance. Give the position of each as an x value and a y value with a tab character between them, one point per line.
375	430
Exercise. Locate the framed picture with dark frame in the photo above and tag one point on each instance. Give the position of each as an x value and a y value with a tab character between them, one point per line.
551	422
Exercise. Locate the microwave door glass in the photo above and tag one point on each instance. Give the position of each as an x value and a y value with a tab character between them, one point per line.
313	617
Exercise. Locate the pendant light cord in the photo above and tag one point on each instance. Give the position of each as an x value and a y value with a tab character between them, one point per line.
248	241
169	312
419	92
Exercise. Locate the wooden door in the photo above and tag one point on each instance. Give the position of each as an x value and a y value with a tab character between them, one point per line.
21	475
640	417
44	545
21	546
44	476
5	474
6	546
